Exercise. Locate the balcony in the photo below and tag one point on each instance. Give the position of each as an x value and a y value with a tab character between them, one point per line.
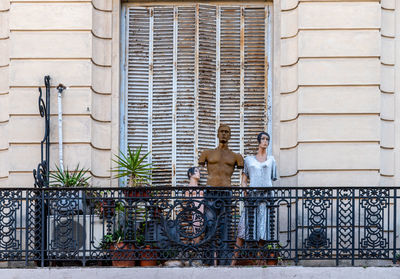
154	226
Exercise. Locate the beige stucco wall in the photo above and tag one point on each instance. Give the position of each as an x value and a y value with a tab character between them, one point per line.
334	86
335	91
72	42
4	87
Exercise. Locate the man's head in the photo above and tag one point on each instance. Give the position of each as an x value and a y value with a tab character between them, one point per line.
224	133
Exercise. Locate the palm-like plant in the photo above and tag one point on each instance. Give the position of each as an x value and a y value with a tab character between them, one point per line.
66	178
134	167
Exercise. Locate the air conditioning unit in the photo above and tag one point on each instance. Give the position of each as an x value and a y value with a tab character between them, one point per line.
72	236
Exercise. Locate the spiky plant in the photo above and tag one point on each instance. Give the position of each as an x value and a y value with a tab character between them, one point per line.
133	166
65	178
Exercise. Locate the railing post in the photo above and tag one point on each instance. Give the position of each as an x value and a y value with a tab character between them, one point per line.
296	257
43	233
27	227
41	173
352	225
394	223
338	196
84	234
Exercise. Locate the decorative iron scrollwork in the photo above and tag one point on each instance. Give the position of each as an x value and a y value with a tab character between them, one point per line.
41	173
345	233
317	203
374	244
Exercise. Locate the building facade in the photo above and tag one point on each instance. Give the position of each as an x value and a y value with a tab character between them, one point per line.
323	77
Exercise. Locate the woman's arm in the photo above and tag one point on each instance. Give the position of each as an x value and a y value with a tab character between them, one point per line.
244	180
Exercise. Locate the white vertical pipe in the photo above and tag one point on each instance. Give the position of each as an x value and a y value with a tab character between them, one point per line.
60	89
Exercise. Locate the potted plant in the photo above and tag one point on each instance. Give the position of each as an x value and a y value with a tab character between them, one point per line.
121	242
148	253
78	177
273	254
65	178
134	167
121	251
69	217
105	207
137	170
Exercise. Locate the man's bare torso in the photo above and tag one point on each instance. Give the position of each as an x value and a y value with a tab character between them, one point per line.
220	165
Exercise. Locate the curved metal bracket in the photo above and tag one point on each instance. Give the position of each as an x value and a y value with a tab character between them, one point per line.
41	173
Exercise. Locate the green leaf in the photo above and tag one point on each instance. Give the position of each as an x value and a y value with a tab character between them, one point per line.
79	177
133	166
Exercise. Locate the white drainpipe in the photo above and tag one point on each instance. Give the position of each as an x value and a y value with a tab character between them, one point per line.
60	89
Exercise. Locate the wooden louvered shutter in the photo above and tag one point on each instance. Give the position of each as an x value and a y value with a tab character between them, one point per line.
150	82
163	91
255	76
138	96
207	113
191	68
230	76
186	120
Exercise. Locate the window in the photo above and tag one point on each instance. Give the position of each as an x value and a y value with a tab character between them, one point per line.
189	68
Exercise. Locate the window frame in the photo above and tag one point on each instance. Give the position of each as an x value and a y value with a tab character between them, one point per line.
123	133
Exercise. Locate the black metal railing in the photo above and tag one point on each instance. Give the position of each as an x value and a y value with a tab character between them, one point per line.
154	225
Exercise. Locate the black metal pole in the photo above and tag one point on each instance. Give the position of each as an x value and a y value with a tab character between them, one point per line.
41	176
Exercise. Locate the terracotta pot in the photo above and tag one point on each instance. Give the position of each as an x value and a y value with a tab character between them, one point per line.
136	193
273	259
147	255
117	252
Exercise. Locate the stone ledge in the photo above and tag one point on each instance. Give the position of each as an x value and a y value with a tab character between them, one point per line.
205	272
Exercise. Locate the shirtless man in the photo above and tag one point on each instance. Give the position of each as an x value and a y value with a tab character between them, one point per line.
221	161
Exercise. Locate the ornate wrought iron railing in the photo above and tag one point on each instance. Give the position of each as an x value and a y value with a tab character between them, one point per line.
198	224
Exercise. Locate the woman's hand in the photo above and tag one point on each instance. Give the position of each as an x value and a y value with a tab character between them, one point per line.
244	182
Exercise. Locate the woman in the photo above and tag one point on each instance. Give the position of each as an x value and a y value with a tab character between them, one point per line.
193	174
261	170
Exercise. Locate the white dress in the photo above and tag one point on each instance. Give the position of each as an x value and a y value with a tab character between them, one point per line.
261	174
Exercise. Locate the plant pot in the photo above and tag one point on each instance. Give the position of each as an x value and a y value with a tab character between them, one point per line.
117	252
272	259
136	193
148	257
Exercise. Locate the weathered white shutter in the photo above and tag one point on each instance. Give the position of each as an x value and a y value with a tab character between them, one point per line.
186	134
191	68
163	85
255	75
206	77
138	41
230	75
